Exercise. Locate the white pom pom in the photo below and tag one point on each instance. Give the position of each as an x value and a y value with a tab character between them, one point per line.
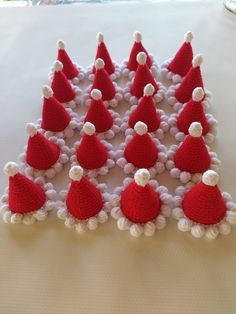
188	37
96	94
212	232
11	168
76	173
184	224
195	129
31	129
198	94
197	61
47	91
197	231
149	229
137	37
136	230
148	90
123	223
89	128
100	37
92	223
210	177
140	128
58	66
99	64
61	44
231	217
142	176
141	58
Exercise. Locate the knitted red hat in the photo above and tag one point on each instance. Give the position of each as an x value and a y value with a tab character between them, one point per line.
141	150
193	111
192	155
182	61
60	85
91	153
55	118
139	202
192	80
69	69
204	203
24	195
98	114
146	111
83	199
41	153
143	76
132	64
103	82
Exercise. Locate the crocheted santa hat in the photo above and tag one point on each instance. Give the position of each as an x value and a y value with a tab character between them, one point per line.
91	153
143	76
55	118
146	111
98	113
61	87
132	64
182	61
141	150
193	111
139	202
192	80
102	81
192	155
41	153
69	69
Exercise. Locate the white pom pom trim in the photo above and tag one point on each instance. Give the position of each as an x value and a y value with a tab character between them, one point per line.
188	37
100	37
61	44
47	91
141	58
137	37
96	94
31	129
89	128
197	61
140	128
198	94
58	66
195	129
99	64
141	177
148	90
210	177
11	168
76	173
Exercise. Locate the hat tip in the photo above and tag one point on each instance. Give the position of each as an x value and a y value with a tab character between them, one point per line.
198	94
141	58
197	61
210	178
76	173
11	168
89	128
100	37
195	129
188	37
148	90
99	64
96	94
137	37
61	44
58	66
142	177
140	128
47	91
31	129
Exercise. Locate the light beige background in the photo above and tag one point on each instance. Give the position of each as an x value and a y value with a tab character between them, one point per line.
47	268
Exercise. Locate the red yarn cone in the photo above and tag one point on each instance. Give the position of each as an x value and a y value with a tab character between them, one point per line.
24	196
141	151
192	80
143	76
193	111
146	111
41	154
91	153
204	203
182	61
139	202
192	156
98	114
69	69
60	85
55	118
103	82
83	200
132	64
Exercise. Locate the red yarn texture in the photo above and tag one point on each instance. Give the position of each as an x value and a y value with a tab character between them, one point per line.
99	116
24	195
41	154
192	112
83	200
103	82
61	87
132	64
55	118
143	76
141	151
192	80
182	61
103	53
91	153
69	69
147	113
140	204
192	155
204	204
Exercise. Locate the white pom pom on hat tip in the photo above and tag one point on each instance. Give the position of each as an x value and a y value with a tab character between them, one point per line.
137	37
198	94
188	37
99	64
58	66
47	91
195	129
141	58
148	90
197	61
100	37
140	128
210	177
142	177
11	168
76	173
31	129
89	128
61	44
96	94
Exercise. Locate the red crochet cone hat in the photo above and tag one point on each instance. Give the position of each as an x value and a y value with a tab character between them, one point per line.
192	155
139	202
132	64
83	200
98	114
182	61
41	153
193	111
103	54
91	153
141	150
103	82
142	77
204	203
60	85
24	195
192	80
146	111
69	69
55	118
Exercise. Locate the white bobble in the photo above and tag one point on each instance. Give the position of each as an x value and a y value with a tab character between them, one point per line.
224	228
148	90
116	213
198	94
197	231
16	218
61	44
100	37
140	128
141	177
210	177
99	64
160	222
62	213
195	129
149	229
102	216
231	217
80	227
47	91
31	129
28	219
136	230
184	225
197	61
123	223
7	217
96	94
70	222
188	37
141	58
212	232
40	215
137	37
92	223
89	128
76	173
11	168
58	66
